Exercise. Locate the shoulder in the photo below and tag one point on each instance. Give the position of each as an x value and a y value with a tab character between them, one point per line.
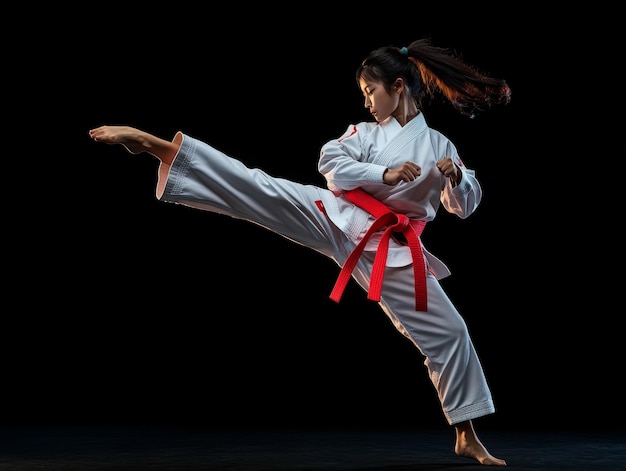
358	130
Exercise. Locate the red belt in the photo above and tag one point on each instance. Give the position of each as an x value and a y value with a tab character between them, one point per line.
411	229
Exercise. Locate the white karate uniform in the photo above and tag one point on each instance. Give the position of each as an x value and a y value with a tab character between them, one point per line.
324	220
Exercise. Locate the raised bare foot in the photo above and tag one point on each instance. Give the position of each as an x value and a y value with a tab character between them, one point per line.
134	140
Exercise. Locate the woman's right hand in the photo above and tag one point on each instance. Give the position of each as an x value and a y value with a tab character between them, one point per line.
407	172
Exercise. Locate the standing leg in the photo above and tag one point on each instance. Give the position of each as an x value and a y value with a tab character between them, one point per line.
441	335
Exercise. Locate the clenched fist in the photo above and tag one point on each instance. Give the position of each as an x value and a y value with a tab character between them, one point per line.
450	170
407	172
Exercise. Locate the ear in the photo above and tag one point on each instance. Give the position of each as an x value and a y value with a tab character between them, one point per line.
398	85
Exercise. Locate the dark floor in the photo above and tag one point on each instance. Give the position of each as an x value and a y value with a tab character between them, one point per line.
178	449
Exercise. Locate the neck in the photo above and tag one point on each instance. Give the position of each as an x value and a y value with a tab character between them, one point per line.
404	118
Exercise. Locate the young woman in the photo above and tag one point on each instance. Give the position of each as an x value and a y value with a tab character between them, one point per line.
386	179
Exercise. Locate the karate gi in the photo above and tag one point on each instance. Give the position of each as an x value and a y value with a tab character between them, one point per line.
324	220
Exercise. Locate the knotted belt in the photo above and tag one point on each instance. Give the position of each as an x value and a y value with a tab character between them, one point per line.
411	229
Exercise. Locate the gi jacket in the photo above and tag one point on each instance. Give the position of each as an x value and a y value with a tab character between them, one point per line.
360	157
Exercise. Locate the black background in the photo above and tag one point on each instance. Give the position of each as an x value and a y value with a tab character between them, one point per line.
122	309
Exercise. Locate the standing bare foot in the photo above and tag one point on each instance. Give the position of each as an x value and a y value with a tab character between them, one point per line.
469	446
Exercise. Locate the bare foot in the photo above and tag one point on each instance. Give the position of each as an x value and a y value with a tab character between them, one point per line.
469	446
134	140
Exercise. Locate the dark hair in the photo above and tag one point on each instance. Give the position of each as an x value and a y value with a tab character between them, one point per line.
428	70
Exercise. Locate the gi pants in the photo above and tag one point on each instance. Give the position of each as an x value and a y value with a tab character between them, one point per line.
205	178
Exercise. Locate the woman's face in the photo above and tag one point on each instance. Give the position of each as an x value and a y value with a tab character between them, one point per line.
380	103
